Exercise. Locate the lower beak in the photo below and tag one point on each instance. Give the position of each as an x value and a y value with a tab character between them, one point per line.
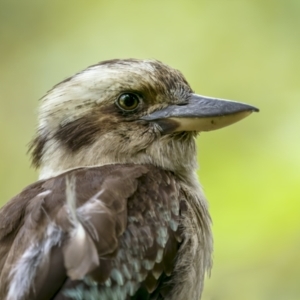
200	113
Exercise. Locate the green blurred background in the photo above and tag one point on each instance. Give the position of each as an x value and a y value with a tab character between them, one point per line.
235	49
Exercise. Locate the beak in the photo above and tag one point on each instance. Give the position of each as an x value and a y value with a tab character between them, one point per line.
200	113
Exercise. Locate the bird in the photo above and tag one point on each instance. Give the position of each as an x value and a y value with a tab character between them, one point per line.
117	211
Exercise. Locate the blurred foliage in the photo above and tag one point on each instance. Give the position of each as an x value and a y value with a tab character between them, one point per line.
235	49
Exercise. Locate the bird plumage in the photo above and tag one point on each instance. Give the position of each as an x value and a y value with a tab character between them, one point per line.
118	212
125	232
80	125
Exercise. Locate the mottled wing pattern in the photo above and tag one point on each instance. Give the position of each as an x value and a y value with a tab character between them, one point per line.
109	232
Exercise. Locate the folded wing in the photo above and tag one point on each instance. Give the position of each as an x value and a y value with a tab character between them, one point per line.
111	232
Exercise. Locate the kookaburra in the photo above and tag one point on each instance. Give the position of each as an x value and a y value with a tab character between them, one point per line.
118	212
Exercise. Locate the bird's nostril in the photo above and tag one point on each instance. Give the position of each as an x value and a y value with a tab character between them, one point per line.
182	103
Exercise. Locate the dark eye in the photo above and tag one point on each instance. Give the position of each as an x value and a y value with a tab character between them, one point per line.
128	101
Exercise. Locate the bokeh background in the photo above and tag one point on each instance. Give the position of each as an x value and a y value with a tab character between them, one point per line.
234	49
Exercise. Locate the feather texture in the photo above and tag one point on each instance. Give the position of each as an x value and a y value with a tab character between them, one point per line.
112	231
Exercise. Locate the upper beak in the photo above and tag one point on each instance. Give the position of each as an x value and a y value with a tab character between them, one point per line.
200	113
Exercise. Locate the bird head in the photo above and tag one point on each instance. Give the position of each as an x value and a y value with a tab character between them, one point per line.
126	111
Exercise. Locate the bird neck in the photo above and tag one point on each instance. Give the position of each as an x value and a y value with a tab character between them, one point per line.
176	155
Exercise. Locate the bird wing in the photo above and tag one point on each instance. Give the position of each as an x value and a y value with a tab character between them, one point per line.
109	232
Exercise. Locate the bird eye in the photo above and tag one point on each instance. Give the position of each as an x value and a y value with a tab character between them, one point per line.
128	101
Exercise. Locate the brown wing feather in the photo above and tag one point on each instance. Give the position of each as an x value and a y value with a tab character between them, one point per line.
124	237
